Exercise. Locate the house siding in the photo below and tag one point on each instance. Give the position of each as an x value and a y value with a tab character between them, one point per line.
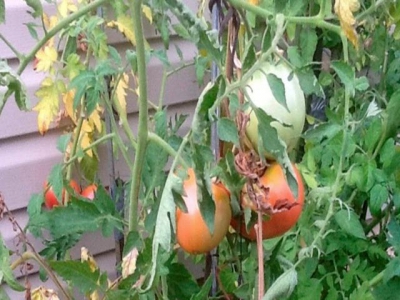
26	157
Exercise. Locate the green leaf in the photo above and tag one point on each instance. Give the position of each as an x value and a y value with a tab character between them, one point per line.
392	269
201	120
79	274
63	141
227	131
320	132
377	197
294	56
283	286
14	85
32	30
309	83
394	234
393	120
349	222
37	7
3	294
6	274
2	11
388	291
308	43
346	75
205	290
181	284
79	217
165	221
361	83
277	89
373	134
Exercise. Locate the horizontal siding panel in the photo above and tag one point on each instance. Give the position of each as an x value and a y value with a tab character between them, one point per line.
26	161
181	86
17	16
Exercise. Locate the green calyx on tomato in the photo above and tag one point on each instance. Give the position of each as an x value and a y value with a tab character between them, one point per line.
192	232
290	119
286	209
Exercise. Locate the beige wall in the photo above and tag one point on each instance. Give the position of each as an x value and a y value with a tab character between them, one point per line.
26	157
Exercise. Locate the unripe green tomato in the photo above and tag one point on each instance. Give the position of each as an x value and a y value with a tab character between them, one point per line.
261	96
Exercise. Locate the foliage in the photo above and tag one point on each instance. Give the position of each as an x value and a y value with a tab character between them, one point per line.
345	54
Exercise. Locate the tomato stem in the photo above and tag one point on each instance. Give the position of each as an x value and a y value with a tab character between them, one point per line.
29	255
136	7
60	26
260	254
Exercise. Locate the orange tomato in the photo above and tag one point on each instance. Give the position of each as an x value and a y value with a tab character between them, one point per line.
50	199
192	232
280	222
89	192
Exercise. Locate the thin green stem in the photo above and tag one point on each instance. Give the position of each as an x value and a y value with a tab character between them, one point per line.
374	6
92	145
315	21
377	279
262	12
171	151
136	7
28	255
246	76
60	26
162	89
15	51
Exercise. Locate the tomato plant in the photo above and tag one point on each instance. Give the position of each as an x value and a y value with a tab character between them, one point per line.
295	116
279	206
192	232
50	199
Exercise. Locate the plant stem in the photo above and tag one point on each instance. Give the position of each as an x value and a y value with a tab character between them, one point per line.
378	278
171	151
374	6
15	51
136	7
260	255
31	255
62	25
95	143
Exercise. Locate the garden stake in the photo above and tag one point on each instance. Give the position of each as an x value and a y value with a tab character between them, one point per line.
116	188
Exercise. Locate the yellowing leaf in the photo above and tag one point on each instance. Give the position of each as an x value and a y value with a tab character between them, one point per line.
68	99
95	119
124	25
46	57
129	263
147	13
120	94
345	9
49	23
65	7
86	256
41	293
48	105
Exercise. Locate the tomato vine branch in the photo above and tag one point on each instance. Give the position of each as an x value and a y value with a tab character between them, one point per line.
60	26
136	7
171	151
12	48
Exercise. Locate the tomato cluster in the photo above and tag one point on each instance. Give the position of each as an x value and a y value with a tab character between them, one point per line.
50	199
283	209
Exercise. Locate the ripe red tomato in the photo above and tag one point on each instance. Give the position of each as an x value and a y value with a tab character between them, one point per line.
50	199
192	232
89	192
280	222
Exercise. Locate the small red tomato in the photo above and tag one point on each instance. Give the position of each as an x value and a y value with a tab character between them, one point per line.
50	199
89	192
